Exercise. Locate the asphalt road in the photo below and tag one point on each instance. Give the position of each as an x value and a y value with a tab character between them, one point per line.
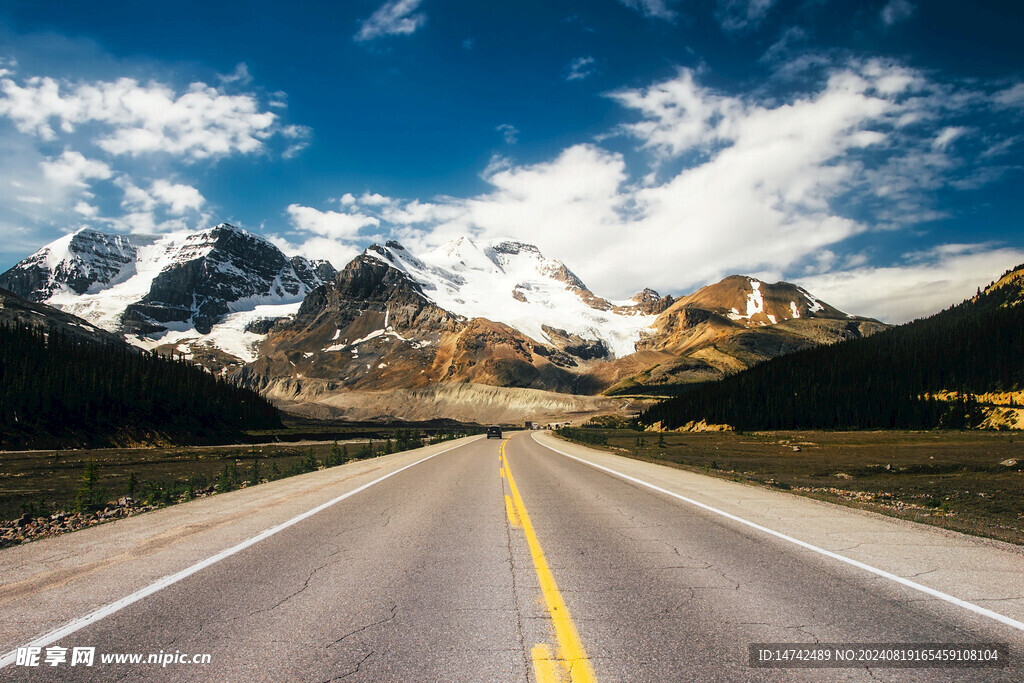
500	561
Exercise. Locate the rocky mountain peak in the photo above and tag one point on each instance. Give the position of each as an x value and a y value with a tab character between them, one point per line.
646	296
515	247
751	302
177	285
648	301
83	260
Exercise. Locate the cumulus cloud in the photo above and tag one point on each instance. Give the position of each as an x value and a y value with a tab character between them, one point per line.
72	169
896	11
656	9
87	210
374	199
580	68
138	118
393	18
176	198
742	183
333	224
338	253
163	206
926	284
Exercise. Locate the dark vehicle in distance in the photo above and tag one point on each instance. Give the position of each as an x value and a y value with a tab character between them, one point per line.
494	432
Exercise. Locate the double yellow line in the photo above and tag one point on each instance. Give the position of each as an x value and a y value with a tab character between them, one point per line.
571	662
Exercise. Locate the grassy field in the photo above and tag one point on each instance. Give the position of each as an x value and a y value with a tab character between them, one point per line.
42	482
948	479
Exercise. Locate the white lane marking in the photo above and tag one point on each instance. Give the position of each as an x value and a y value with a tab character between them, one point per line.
160	584
803	544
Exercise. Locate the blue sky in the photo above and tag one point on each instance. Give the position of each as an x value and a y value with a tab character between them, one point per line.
870	151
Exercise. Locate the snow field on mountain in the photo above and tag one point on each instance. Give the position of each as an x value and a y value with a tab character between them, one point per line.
479	280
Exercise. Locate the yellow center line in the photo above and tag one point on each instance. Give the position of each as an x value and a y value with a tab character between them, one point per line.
545	666
572	655
513	518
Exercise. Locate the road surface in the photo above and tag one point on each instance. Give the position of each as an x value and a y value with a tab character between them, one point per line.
512	560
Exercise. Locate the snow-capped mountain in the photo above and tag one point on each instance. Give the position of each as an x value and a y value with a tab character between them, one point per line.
496	313
733	324
499	313
513	283
379	326
201	292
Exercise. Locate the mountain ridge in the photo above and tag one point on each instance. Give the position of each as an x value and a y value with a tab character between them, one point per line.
486	312
936	372
171	291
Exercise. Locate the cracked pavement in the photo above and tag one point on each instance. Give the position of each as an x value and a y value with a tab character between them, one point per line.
422	577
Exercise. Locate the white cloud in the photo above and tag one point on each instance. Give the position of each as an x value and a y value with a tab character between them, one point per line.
1012	96
741	184
300	137
160	208
393	18
72	169
374	199
338	253
36	209
657	9
104	126
138	118
509	132
329	223
947	136
580	68
927	284
178	198
737	15
86	209
239	75
896	11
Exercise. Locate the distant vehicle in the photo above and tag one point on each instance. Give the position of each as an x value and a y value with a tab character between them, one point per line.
494	432
534	425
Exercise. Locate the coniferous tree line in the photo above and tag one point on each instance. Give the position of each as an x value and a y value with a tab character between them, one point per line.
884	381
59	389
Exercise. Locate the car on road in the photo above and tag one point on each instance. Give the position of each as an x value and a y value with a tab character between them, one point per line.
494	432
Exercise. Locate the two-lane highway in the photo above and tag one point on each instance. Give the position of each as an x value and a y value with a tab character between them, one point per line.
503	561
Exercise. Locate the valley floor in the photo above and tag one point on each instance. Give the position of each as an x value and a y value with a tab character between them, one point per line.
971	481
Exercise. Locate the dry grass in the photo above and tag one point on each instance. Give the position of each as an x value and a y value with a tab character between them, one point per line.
42	482
948	479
